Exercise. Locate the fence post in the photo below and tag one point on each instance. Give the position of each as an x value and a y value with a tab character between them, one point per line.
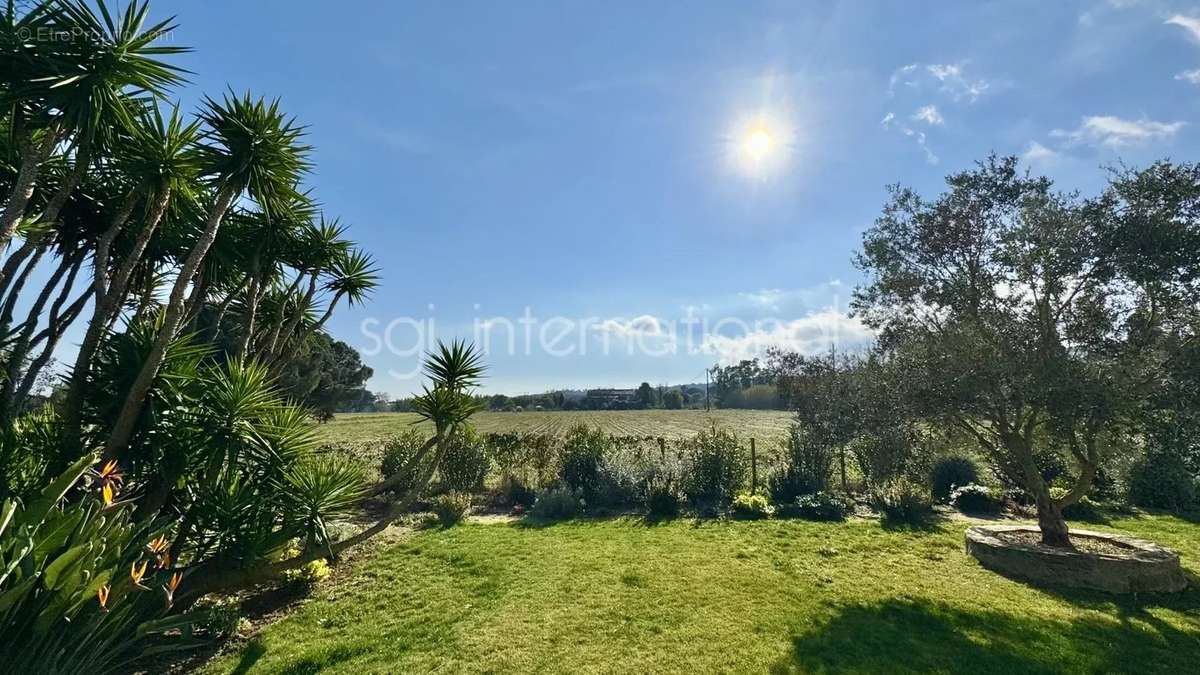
662	448
753	467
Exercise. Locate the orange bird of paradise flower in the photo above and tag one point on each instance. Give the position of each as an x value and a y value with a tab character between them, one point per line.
102	595
136	573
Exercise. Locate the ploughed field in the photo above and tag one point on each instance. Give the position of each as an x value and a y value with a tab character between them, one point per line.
765	425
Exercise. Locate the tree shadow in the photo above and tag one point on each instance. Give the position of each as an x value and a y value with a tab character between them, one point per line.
918	636
251	653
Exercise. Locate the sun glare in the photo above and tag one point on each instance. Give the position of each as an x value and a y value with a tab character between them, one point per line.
758	144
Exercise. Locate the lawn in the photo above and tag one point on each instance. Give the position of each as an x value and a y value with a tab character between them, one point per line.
622	595
765	425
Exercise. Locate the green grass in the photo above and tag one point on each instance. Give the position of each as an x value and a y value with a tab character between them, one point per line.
778	596
766	425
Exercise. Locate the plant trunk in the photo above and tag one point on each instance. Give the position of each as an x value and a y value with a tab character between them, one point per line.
109	292
31	165
284	335
10	302
1051	522
136	398
280	315
21	347
313	328
252	295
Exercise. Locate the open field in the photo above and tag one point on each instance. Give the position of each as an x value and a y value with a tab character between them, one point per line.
766	425
687	596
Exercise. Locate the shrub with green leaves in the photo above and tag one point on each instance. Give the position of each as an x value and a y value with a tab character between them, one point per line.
715	468
465	463
902	500
805	468
829	506
746	506
583	453
451	507
975	498
398	451
1162	480
949	472
557	503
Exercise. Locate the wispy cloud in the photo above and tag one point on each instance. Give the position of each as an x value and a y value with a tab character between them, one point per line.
950	78
929	114
1192	76
1189	23
1114	132
889	122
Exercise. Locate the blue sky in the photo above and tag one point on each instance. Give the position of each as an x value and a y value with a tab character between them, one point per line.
581	159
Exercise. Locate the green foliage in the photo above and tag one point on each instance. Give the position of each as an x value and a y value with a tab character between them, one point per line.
316	489
903	500
512	491
746	506
716	467
1162	480
583	453
829	506
950	472
398	451
465	463
673	399
68	600
974	498
662	497
557	504
805	469
451	507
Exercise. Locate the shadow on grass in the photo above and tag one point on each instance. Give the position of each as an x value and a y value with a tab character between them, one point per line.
908	636
927	523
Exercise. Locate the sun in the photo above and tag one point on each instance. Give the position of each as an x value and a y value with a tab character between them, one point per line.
758	143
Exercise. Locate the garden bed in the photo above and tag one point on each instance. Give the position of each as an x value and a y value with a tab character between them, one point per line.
1097	561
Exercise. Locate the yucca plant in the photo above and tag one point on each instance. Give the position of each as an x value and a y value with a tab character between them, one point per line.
83	589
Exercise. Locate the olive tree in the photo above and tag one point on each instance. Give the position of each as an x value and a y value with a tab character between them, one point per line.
1035	320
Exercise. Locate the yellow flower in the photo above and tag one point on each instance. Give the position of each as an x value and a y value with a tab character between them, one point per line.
136	573
158	545
108	493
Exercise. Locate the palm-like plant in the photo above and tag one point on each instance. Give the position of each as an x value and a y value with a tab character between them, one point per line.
158	158
251	147
99	71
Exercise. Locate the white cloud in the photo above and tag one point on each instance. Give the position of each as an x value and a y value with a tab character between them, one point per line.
1036	152
1192	76
1189	23
888	122
812	334
1115	132
956	83
929	114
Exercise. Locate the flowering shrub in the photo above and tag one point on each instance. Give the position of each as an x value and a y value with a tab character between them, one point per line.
751	507
975	498
821	506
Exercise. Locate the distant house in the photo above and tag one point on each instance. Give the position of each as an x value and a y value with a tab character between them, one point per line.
603	399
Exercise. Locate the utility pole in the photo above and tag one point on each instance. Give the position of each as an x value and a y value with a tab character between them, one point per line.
706	390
